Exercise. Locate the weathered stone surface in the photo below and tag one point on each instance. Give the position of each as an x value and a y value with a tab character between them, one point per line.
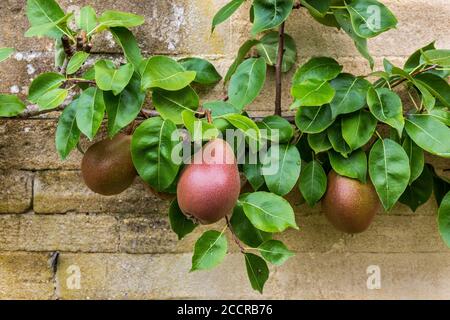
314	39
70	232
15	191
65	191
306	276
30	145
173	27
25	276
152	234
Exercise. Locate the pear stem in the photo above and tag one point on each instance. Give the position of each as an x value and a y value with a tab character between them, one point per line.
235	238
208	116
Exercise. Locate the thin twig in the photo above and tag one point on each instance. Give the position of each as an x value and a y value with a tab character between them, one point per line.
399	82
278	70
235	238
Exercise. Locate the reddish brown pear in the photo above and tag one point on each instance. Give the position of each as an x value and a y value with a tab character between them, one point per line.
209	187
350	205
107	167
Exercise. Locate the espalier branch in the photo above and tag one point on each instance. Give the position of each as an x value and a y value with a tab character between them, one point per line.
355	144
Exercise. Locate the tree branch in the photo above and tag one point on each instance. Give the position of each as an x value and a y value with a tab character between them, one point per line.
235	238
279	70
399	82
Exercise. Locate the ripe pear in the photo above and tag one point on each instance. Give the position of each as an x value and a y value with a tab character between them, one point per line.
107	167
209	187
348	204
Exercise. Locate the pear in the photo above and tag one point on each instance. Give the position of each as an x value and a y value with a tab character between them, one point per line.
107	167
209	186
348	204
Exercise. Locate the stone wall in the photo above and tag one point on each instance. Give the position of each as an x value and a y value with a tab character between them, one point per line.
123	247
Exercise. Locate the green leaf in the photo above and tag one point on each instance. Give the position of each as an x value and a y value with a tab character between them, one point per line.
46	14
416	158
429	133
91	110
313	182
52	99
436	85
441	114
358	128
219	108
243	51
437	57
244	229
129	45
10	105
226	12
44	83
60	55
313	93
306	153
344	21
313	119
253	173
111	18
317	7
281	168
370	18
418	192
268	49
275	252
206	72
414	60
170	104
67	132
268	212
387	107
112	79
125	107
277	129
247	82
198	129
151	149
48	28
320	68
350	95
5	53
337	140
244	124
444	219
165	73
209	251
355	166
257	271
179	223
319	142
389	171
270	14
87	20
76	62
388	66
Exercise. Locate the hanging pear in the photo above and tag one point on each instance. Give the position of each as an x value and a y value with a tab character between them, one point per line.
209	187
107	167
348	204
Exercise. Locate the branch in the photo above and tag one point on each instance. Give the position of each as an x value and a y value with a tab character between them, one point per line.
278	70
34	113
399	82
235	238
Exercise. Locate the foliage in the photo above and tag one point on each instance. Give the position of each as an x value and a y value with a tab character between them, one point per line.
338	123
